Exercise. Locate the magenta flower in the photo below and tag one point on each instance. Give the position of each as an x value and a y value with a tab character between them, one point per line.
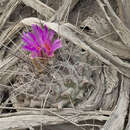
40	42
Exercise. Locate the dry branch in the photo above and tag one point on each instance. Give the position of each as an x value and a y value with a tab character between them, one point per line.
103	34
67	6
9	33
128	124
117	119
40	7
33	118
116	23
51	111
48	12
124	7
10	7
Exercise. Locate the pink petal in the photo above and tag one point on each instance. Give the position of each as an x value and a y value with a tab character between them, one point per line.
38	32
29	39
30	44
26	39
33	39
56	44
28	48
51	34
45	51
50	54
45	33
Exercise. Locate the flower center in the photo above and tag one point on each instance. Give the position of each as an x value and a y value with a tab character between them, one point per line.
38	48
46	46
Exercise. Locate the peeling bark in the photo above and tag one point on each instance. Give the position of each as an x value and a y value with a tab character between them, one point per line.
117	119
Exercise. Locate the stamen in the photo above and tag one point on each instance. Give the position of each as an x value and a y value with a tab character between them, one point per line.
47	47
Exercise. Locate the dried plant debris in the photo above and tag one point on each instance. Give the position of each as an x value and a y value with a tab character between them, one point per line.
89	71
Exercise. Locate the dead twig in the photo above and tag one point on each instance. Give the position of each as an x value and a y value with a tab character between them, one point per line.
122	31
34	117
40	7
117	119
10	7
67	6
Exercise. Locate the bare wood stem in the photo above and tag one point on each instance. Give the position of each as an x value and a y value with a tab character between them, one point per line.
122	31
8	10
117	119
